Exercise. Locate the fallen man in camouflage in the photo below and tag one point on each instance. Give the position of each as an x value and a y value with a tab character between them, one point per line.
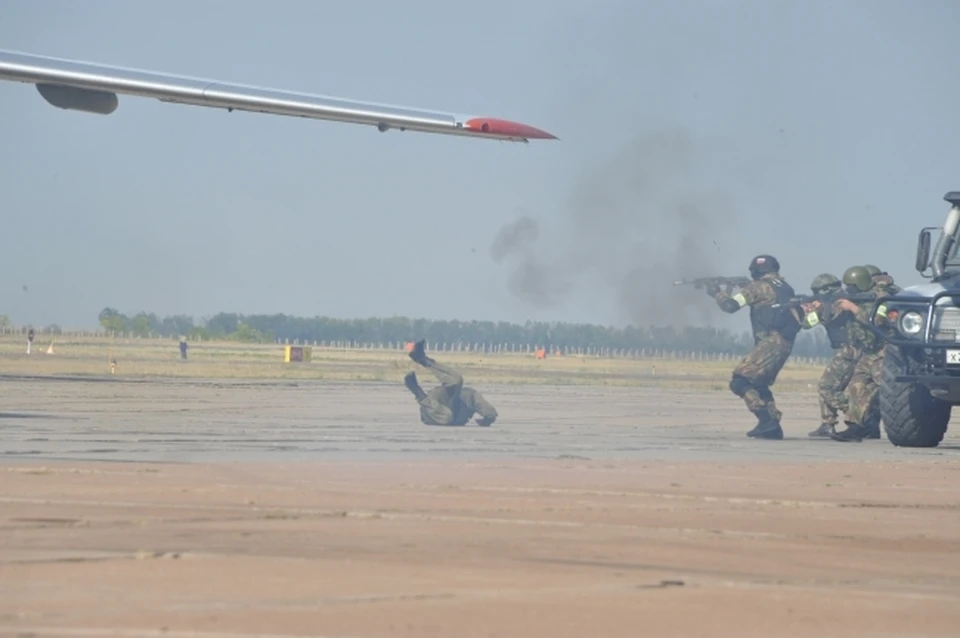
450	403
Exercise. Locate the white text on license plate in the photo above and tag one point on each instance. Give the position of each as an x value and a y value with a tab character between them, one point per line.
953	357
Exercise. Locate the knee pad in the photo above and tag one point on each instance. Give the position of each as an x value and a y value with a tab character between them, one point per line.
739	385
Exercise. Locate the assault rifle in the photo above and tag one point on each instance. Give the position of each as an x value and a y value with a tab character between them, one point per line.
719	281
827	299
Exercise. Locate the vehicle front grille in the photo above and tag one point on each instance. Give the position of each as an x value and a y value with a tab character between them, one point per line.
946	324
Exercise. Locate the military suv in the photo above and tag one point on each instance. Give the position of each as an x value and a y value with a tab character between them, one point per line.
920	382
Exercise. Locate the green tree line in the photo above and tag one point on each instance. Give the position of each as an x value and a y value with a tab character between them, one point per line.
281	327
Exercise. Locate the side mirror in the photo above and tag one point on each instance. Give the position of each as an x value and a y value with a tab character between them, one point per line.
923	251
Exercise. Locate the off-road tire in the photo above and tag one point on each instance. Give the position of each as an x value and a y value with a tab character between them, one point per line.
912	417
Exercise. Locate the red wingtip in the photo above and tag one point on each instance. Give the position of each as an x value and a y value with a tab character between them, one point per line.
508	128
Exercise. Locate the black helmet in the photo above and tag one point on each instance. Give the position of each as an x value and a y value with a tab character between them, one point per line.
762	265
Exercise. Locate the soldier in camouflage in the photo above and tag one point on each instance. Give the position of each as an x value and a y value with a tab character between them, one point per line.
836	376
884	282
775	327
450	403
861	414
884	286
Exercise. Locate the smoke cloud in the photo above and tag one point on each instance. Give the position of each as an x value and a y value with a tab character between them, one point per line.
632	225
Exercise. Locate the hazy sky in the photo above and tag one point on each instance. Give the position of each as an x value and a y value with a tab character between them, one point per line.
694	136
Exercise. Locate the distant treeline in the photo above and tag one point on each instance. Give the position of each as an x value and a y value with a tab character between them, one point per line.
284	328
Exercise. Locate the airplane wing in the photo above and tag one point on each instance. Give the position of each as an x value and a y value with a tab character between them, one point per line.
93	88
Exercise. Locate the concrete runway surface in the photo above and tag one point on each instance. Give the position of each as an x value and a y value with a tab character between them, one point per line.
179	508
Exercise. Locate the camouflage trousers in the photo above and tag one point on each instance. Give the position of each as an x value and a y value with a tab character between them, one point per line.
833	384
758	371
862	393
452	403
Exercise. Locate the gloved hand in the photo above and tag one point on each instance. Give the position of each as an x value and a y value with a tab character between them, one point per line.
713	289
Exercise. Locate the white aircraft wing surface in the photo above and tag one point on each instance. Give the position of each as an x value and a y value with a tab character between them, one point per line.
90	87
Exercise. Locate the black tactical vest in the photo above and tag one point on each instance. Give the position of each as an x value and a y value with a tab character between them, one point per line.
837	331
779	320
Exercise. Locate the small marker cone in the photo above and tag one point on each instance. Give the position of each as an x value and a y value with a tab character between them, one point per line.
50	349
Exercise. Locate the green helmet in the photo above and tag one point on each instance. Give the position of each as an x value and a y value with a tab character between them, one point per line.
873	270
825	283
858	277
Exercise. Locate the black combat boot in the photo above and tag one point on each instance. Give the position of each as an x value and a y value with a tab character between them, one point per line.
770	430
853	433
872	428
760	417
411	382
418	353
767	428
822	432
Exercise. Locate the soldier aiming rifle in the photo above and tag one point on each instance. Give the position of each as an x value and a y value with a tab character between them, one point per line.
821	309
864	325
774	325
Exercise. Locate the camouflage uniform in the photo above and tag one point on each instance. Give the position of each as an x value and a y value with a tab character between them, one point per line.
885	286
862	415
836	376
884	282
450	403
833	384
775	328
832	387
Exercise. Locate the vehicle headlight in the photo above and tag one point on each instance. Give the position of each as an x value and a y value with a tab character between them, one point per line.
911	323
